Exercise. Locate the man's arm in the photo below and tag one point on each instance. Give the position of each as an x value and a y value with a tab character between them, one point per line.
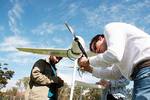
106	73
40	78
122	82
112	73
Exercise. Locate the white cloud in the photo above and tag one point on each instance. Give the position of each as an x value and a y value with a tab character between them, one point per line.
22	57
118	12
46	28
8	48
10	43
56	40
14	15
73	8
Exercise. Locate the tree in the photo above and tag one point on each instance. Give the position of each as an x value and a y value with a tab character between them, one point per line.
25	82
18	83
13	91
5	75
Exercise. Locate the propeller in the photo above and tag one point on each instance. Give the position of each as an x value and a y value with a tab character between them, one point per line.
71	30
76	39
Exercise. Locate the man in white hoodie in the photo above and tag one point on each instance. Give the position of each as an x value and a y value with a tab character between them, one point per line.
126	49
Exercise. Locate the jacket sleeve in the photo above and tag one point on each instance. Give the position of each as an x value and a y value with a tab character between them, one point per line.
37	75
107	73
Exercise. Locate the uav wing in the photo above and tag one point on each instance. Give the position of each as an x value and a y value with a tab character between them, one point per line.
55	52
48	51
52	51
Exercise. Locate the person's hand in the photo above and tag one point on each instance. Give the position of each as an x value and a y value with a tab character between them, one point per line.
57	82
84	64
83	61
104	83
60	83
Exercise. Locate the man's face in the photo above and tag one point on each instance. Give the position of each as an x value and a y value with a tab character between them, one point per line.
54	59
99	46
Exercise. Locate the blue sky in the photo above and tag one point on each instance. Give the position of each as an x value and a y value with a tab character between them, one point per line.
40	23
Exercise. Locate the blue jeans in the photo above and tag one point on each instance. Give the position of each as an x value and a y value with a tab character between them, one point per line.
141	90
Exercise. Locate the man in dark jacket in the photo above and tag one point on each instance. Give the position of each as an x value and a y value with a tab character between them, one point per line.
44	82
